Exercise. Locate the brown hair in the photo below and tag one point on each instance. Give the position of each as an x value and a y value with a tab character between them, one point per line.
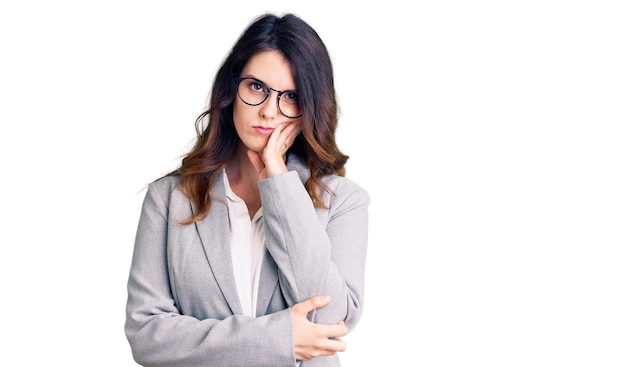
216	143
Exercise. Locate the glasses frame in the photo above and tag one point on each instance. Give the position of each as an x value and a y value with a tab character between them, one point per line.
267	94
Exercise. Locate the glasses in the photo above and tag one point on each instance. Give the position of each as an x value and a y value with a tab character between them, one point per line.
253	92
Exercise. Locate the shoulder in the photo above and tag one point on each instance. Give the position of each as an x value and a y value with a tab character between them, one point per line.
162	189
167	183
344	189
339	185
164	185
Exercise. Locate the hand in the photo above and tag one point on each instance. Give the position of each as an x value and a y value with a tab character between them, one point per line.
271	161
312	340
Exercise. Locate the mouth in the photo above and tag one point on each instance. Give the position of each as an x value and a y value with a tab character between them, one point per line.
263	130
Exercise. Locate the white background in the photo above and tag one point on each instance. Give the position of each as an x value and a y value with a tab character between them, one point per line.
490	135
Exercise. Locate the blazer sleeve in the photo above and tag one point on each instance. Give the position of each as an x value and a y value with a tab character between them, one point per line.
318	251
159	335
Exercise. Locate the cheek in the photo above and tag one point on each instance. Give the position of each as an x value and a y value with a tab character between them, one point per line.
239	116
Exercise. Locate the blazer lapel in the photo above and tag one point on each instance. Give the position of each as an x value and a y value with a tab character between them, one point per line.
215	236
267	284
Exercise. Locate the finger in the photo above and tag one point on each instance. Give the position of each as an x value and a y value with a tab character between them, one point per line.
292	128
291	132
284	134
328	348
311	304
332	331
334	345
275	139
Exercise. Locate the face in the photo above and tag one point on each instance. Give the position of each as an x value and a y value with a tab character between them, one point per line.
254	124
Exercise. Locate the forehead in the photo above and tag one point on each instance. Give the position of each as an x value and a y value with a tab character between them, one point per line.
272	68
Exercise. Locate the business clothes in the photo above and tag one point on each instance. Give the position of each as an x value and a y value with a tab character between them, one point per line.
183	307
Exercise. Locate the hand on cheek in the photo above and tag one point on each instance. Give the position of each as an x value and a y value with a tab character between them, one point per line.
271	161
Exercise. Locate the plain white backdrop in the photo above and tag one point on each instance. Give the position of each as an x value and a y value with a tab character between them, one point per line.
489	134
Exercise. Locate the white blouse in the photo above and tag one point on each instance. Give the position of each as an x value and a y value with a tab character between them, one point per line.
247	239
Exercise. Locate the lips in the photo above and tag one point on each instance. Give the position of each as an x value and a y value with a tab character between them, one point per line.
263	130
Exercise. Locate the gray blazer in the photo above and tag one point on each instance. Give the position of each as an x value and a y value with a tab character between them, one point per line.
183	307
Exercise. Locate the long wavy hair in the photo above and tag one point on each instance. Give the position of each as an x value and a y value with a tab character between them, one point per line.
217	138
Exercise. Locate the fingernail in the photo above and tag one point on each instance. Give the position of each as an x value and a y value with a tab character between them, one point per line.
325	298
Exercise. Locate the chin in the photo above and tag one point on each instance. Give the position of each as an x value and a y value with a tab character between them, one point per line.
255	145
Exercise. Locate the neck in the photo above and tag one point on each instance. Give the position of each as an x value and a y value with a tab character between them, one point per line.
243	179
241	171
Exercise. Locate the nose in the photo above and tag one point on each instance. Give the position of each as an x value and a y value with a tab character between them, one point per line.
269	108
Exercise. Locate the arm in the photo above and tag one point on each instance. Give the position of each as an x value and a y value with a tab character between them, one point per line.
318	254
315	255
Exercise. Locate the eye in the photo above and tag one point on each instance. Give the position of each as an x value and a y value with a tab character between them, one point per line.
291	96
256	86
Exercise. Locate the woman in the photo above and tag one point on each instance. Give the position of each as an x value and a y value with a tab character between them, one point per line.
252	253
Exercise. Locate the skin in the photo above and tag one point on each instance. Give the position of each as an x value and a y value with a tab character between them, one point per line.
265	136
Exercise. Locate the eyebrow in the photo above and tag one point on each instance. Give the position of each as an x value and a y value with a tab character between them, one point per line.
264	82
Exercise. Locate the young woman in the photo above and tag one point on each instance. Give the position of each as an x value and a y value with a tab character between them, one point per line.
252	253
